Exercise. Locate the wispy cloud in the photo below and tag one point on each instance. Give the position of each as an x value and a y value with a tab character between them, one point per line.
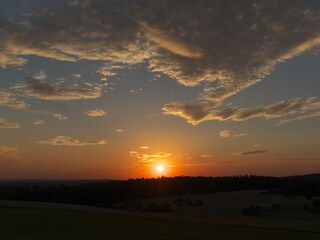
96	113
6	124
206	155
8	153
69	141
299	118
149	157
198	164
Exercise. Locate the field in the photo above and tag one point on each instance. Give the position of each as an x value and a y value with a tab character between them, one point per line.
29	224
218	218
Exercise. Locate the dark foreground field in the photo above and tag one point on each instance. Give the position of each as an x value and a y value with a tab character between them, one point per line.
49	224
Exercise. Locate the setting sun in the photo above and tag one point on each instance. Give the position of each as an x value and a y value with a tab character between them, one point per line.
160	168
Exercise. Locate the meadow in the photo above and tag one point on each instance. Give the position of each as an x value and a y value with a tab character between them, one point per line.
38	224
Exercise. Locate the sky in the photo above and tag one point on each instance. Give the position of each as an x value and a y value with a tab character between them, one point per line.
113	89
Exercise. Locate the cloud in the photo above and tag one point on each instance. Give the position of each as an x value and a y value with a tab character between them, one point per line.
196	113
59	116
240	134
198	164
38	122
11	60
136	91
108	70
5	124
8	153
172	43
206	155
119	130
8	99
253	152
226	46
229	133
76	75
96	113
224	133
144	147
299	159
68	35
69	141
148	157
41	75
56	92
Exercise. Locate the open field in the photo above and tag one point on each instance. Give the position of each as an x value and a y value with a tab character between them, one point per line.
218	218
38	224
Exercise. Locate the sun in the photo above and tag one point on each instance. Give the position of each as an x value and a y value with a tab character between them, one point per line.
160	168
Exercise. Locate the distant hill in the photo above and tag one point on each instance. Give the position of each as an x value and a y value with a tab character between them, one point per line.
314	176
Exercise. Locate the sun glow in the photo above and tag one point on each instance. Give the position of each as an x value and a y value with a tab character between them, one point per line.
160	168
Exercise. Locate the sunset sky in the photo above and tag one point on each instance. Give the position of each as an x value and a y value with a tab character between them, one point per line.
112	89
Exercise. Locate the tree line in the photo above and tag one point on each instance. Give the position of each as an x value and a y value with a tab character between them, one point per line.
107	193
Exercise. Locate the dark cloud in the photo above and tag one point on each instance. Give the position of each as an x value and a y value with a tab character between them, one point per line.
39	89
228	45
253	152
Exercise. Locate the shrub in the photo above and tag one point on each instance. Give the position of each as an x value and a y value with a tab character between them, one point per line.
252	210
155	207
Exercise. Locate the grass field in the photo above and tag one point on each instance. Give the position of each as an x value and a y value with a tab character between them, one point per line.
38	224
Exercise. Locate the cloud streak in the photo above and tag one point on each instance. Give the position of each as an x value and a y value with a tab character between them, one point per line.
69	141
229	133
172	43
196	113
8	153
